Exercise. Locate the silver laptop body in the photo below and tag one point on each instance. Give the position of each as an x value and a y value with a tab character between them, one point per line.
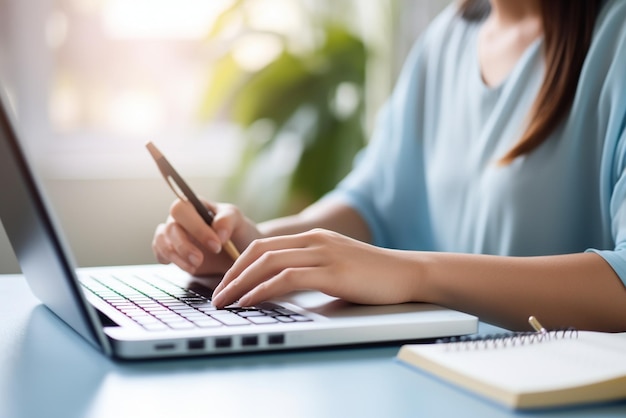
138	312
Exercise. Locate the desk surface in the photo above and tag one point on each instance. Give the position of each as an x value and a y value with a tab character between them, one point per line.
47	370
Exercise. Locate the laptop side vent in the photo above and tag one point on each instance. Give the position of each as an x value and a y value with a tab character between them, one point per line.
249	341
276	339
223	342
195	344
164	346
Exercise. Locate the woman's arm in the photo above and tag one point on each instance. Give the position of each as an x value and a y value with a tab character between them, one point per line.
293	253
581	290
578	289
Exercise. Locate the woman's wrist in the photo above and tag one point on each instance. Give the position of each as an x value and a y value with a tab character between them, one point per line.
415	273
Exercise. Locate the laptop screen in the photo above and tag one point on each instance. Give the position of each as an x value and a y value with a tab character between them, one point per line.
35	238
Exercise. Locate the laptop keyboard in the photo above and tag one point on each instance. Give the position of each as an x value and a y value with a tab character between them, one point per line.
159	304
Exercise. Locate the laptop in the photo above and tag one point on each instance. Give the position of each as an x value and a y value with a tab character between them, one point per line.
156	311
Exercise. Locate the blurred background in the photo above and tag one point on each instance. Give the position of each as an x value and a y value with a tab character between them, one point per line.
262	103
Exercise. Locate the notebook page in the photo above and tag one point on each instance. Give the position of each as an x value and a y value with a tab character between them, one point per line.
542	366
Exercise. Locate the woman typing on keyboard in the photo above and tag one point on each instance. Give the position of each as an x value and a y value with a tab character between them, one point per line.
495	182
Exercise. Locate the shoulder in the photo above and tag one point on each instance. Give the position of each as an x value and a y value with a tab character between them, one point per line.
603	73
445	35
448	25
613	12
603	83
610	30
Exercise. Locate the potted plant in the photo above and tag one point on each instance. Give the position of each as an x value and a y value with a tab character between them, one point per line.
301	111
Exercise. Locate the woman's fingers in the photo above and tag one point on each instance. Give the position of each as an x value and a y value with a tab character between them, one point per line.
186	216
171	244
288	280
260	248
261	261
227	217
284	261
187	241
316	260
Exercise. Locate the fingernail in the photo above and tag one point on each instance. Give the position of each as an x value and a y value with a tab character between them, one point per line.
244	301
215	300
195	260
216	247
222	234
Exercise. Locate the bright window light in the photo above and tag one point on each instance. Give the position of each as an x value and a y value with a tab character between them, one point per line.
157	19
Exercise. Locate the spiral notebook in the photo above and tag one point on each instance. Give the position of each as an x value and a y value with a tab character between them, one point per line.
530	370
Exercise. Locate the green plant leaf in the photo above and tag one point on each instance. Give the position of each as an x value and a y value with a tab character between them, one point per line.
231	13
222	85
295	93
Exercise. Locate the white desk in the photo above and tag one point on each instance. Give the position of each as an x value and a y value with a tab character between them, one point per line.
47	370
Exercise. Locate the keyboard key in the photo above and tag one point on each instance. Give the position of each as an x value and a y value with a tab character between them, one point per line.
229	318
147	320
170	321
285	319
207	323
181	325
157	326
263	320
270	306
131	310
192	299
248	314
157	309
204	306
285	311
193	314
122	304
166	316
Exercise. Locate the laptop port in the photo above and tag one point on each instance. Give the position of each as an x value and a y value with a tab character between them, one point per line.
249	341
276	339
164	346
223	342
196	344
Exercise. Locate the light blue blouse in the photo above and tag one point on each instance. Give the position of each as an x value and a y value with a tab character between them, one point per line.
428	180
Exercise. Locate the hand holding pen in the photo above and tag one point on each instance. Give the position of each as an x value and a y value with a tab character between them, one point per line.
184	192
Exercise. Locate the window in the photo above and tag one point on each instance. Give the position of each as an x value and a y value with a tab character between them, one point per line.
93	80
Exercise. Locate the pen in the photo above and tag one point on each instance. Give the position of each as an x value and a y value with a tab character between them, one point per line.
536	325
184	192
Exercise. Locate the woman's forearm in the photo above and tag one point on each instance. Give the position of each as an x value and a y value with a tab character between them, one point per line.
579	290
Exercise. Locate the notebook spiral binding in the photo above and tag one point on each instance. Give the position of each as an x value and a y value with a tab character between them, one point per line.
503	340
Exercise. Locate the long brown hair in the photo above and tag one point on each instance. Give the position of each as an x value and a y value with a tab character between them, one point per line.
568	27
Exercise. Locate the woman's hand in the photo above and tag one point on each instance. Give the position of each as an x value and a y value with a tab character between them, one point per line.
318	260
187	241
